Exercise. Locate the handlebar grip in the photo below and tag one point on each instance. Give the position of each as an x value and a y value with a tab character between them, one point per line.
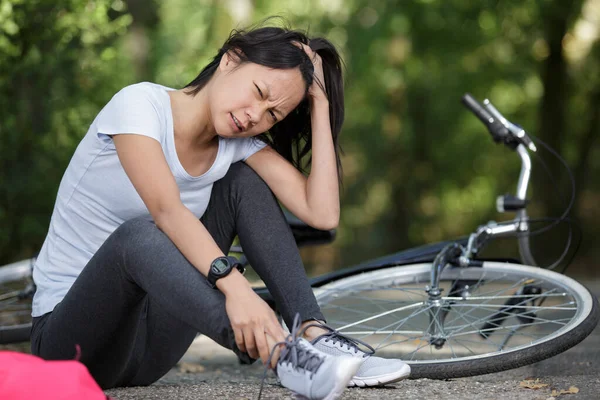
476	108
497	130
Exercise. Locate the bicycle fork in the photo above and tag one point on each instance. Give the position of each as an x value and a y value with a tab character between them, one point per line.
437	309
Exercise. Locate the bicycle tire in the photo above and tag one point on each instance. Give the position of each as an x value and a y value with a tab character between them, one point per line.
15	313
354	290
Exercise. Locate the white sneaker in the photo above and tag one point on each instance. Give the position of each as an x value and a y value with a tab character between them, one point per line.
374	371
312	374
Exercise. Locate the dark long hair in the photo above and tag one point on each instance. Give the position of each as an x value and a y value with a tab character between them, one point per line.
274	47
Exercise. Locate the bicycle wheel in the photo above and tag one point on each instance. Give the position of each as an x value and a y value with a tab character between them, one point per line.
16	294
497	317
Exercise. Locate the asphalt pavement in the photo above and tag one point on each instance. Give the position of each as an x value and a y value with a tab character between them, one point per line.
208	371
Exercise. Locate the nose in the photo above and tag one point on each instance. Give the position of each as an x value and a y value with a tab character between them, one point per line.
256	113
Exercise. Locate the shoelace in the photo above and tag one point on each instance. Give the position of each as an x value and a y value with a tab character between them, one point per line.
335	337
294	353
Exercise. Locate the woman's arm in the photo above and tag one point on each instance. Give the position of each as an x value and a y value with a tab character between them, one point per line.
143	160
145	164
315	200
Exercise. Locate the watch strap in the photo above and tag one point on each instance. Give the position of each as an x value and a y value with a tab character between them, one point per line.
233	262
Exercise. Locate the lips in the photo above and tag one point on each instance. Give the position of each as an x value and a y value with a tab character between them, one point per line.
237	123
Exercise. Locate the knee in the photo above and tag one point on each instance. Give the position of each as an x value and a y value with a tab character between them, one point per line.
241	174
137	232
240	178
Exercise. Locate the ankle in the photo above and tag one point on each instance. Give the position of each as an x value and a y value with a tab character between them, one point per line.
314	331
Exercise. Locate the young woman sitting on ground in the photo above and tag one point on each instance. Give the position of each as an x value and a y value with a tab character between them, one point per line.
134	265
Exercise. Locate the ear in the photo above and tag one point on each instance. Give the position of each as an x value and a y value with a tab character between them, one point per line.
229	61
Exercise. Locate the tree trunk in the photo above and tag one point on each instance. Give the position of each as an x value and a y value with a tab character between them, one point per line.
551	126
586	144
139	40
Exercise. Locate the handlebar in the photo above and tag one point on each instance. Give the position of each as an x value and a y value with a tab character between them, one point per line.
501	129
514	137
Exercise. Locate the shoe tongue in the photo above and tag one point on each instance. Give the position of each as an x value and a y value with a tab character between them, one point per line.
335	338
308	357
305	344
351	343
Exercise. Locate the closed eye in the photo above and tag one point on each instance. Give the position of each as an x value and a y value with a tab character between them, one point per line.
260	93
273	115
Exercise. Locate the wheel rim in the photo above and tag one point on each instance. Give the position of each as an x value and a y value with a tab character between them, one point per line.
15	311
389	310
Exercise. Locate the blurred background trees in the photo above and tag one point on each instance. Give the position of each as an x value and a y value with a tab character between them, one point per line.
418	166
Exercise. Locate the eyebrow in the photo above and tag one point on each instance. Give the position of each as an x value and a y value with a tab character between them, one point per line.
281	115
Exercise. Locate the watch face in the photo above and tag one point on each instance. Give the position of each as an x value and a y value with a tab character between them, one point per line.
220	266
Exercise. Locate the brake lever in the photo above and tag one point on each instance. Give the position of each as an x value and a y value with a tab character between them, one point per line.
517	132
520	133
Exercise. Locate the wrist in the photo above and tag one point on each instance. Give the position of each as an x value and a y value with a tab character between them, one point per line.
221	267
320	101
233	283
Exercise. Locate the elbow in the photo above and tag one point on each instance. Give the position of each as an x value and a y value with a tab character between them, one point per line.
327	223
164	216
161	219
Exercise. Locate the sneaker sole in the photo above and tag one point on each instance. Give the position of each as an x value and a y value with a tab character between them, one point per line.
381	379
345	372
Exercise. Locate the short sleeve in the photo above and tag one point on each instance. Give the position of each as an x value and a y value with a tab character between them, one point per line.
249	147
135	110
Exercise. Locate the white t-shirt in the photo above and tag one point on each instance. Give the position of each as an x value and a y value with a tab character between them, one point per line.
95	195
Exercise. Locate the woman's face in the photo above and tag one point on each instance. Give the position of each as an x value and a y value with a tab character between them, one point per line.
248	100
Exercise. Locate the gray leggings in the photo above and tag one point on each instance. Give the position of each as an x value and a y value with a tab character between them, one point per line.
138	304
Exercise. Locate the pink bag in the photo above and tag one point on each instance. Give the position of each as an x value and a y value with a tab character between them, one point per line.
23	376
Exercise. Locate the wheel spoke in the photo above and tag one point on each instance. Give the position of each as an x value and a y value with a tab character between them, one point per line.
400	324
509	314
504	327
380	315
15	310
10	295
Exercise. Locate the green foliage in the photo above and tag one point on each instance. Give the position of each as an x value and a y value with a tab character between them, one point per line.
418	166
58	65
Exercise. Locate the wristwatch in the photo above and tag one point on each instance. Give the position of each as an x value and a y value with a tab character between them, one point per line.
221	267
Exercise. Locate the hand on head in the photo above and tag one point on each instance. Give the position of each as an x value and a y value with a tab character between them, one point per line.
317	88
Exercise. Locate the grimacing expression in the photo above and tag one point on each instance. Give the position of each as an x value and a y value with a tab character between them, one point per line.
248	99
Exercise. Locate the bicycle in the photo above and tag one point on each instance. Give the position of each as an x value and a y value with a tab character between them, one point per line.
439	307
